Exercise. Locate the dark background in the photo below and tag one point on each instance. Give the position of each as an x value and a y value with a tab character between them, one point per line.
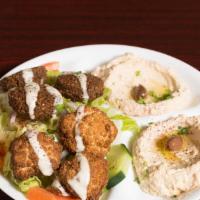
30	28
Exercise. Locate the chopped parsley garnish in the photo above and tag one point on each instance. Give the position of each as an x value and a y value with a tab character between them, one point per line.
141	101
166	95
137	180
183	130
137	73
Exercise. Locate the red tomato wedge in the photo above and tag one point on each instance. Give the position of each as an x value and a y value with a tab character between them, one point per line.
52	65
38	193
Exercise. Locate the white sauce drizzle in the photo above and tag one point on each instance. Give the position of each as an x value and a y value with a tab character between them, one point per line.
83	81
44	162
79	140
56	184
80	182
27	75
32	89
56	94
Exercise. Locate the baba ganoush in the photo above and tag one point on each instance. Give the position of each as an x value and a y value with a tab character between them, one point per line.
167	157
142	87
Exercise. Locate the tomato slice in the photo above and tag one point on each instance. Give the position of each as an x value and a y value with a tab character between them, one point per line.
38	193
52	65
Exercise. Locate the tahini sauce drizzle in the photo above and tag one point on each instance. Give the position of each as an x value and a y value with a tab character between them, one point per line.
32	89
44	162
57	97
56	94
80	182
83	81
56	184
80	113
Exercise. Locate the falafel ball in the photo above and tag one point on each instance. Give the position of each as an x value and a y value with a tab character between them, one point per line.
96	129
70	86
24	161
17	80
98	175
44	105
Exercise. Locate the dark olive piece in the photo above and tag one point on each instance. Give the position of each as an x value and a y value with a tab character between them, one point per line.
174	143
139	92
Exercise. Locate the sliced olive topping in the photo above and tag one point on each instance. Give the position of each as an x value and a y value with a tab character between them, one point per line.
139	92
174	143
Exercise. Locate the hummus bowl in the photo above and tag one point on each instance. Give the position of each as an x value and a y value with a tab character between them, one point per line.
88	58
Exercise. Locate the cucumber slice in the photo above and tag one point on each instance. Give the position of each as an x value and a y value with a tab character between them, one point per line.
119	161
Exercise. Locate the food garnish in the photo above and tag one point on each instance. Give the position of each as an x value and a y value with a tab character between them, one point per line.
183	130
166	95
138	73
139	92
174	143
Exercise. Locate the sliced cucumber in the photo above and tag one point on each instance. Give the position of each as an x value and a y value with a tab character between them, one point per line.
119	161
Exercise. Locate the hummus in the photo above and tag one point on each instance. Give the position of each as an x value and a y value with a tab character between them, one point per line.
159	90
165	166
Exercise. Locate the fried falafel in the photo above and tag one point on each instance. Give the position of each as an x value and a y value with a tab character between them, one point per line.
24	161
17	79
98	175
44	107
71	87
96	130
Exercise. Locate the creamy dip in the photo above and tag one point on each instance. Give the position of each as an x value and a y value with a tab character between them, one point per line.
167	172
80	182
44	162
79	140
163	91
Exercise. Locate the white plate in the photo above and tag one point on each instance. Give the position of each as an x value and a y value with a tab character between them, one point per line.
86	58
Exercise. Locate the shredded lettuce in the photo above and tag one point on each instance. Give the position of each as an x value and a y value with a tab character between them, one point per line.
6	167
71	106
9	132
123	122
4	103
128	124
23	186
52	76
60	108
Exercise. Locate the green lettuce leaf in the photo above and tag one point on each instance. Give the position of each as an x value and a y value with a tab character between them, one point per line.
52	76
122	121
128	124
71	106
23	186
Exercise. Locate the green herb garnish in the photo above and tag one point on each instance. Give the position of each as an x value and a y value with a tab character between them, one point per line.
166	95
183	130
137	73
137	180
141	101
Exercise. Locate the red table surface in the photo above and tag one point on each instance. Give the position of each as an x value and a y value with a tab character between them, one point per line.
31	28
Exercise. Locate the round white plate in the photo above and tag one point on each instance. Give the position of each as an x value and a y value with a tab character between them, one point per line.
86	58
